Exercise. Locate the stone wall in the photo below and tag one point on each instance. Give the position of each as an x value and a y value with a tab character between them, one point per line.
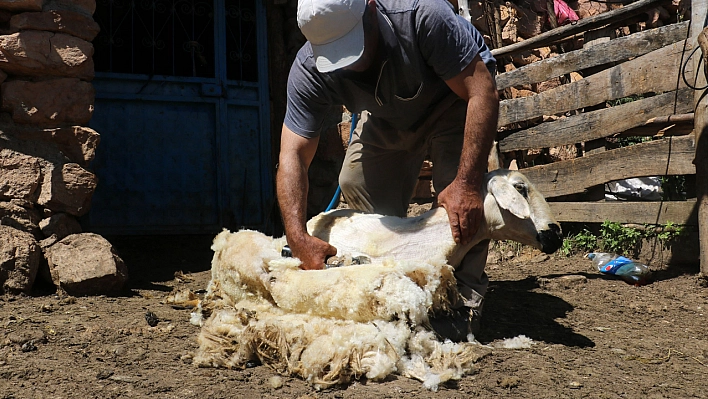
46	99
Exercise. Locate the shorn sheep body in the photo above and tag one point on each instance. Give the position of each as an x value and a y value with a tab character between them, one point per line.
334	325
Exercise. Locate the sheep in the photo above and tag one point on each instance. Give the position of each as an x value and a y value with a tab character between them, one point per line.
330	326
513	210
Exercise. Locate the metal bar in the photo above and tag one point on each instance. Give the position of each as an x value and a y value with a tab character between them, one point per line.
266	175
222	123
166	78
201	100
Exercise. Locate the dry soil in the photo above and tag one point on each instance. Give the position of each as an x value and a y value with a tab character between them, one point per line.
594	337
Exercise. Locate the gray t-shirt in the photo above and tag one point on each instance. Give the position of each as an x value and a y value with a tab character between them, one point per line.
425	43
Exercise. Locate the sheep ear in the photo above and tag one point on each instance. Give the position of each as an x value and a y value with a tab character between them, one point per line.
508	198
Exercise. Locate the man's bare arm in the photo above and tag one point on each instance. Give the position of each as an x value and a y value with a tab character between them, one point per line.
462	199
296	154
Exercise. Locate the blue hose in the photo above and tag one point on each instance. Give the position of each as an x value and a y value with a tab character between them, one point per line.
339	188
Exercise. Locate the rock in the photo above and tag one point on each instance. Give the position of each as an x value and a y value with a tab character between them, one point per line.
509	382
39	173
540	258
78	143
510	30
20	215
86	264
21	5
49	103
86	7
26	53
544	52
24	336
547	85
524	58
275	382
70	190
529	24
19	260
62	21
59	226
505	13
587	8
563	153
20	174
516	93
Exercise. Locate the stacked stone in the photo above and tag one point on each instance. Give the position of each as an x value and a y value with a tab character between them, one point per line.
46	68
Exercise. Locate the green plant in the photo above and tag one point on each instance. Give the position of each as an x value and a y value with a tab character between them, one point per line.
614	237
620	239
585	241
668	233
624	100
673	187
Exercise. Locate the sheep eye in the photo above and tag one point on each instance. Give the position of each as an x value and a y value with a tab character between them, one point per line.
521	188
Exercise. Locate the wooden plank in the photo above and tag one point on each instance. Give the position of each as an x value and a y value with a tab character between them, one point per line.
591	39
656	72
659	212
619	49
661	128
583	25
598	124
668	156
699	9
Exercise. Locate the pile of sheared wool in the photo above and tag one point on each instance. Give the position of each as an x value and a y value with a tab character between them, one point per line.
327	326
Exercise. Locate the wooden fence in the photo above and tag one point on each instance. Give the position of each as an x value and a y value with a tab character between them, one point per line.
647	67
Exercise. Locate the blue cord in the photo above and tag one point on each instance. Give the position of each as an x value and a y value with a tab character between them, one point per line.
339	188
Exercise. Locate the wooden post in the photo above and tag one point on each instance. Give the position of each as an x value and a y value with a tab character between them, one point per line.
551	14
494	161
699	8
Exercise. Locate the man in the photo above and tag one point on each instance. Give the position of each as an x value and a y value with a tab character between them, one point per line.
422	78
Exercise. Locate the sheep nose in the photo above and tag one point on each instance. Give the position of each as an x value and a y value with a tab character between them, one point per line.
551	239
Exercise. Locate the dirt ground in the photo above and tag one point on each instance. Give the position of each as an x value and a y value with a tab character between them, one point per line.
594	337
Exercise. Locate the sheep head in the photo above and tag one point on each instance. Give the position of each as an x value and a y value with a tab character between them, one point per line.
515	210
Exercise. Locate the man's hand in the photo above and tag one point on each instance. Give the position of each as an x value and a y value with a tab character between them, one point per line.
311	251
465	208
462	199
296	154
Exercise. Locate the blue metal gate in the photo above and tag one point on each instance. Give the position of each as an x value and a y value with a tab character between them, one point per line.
182	109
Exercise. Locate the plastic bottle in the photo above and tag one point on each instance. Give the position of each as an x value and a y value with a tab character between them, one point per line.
632	272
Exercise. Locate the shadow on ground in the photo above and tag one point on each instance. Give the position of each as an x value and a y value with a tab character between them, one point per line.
512	308
152	260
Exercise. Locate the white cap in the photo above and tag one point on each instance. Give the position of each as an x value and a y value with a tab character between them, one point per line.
335	30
